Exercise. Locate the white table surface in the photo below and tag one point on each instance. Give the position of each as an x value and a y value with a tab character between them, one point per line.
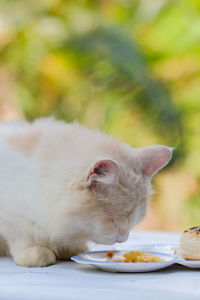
69	280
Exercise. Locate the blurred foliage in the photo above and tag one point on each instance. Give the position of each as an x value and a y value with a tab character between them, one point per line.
130	67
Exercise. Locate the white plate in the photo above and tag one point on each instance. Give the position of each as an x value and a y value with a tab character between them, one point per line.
164	248
99	260
194	264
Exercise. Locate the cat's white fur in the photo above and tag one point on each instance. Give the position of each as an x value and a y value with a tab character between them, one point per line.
62	185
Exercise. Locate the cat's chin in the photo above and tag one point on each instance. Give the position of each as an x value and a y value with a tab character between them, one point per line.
104	241
118	238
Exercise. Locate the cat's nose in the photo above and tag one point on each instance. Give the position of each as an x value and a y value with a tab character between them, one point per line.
121	238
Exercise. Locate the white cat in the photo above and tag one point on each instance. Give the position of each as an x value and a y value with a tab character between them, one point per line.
62	185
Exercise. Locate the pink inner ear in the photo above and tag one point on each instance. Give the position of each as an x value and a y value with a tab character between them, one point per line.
99	168
105	171
154	158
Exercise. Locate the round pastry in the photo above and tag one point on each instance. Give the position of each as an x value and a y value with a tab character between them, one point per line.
190	244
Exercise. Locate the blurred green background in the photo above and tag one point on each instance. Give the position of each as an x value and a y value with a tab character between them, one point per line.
131	68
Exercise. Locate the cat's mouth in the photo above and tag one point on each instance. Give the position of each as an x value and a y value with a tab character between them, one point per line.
110	240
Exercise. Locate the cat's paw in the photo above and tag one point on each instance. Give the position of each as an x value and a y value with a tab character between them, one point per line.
36	256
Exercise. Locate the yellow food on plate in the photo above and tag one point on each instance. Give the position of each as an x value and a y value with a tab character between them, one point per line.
137	256
190	244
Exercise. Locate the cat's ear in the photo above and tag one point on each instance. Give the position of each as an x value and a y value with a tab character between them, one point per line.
25	141
154	158
105	171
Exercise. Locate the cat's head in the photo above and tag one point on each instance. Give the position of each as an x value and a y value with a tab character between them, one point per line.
116	191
